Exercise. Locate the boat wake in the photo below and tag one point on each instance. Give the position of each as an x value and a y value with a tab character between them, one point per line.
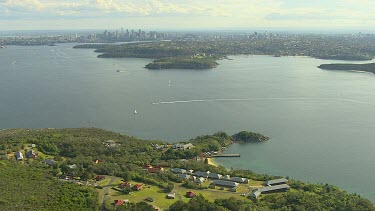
119	66
121	69
264	99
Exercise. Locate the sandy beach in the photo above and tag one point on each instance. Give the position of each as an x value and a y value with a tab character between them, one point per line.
211	161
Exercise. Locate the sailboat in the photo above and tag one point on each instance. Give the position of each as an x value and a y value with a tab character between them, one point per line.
169	82
135	112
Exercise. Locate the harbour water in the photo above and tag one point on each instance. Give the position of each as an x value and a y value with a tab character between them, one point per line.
321	123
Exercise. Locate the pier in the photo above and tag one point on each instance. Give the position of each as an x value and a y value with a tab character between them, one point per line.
225	155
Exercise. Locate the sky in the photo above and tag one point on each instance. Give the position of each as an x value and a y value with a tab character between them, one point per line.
186	14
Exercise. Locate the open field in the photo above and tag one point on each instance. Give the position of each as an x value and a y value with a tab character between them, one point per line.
154	192
212	194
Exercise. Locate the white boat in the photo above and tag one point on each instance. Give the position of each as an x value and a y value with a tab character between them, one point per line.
135	112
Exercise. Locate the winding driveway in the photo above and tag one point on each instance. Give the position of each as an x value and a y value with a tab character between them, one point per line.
177	195
105	191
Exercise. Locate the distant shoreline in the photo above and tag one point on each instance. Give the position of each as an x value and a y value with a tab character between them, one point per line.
205	54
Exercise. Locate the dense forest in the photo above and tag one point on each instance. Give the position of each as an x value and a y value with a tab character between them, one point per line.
31	187
324	200
31	184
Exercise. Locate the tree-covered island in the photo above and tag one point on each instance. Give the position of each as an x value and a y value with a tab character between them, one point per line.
245	136
195	62
95	169
370	67
203	54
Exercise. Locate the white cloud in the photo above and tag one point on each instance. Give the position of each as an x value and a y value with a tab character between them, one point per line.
194	13
26	4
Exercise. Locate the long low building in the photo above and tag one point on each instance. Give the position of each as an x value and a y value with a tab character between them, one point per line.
240	180
275	188
276	182
201	174
225	183
178	171
214	176
270	189
184	176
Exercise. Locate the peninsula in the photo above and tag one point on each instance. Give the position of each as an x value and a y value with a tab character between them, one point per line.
203	53
369	67
92	169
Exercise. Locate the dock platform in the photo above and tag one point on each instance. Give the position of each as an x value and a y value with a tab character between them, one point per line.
225	155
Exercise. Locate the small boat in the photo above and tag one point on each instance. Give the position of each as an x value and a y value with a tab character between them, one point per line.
2	46
118	71
135	112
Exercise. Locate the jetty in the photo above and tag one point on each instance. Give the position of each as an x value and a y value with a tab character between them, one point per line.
225	155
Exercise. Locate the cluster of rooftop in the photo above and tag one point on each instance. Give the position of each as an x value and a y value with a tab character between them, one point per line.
271	186
218	180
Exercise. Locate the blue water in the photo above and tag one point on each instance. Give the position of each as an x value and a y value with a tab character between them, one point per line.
321	123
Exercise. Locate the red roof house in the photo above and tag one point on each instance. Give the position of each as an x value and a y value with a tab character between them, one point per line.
125	185
191	194
137	187
99	177
156	169
119	202
147	166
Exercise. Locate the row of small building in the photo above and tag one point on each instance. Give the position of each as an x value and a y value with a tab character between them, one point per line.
175	146
184	174
218	179
271	186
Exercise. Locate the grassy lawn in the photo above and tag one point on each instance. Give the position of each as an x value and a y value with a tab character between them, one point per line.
137	196
40	154
212	194
100	194
255	183
119	181
160	196
44	156
104	182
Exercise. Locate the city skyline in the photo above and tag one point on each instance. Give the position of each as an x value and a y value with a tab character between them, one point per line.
189	14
